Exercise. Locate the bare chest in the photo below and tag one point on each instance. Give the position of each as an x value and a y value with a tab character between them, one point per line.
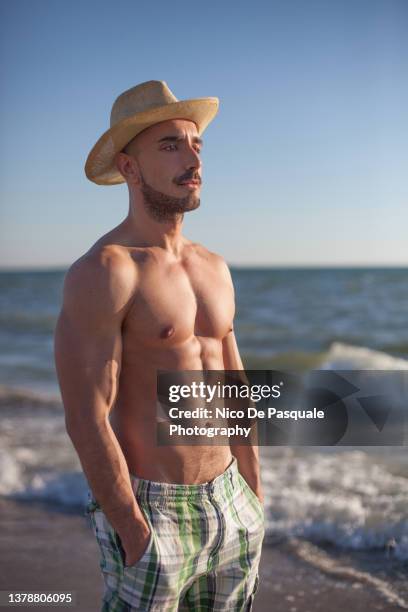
173	303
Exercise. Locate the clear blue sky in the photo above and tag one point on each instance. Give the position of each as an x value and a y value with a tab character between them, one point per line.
305	163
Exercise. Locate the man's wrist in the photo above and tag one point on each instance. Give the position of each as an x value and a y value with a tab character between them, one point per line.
133	529
260	496
124	519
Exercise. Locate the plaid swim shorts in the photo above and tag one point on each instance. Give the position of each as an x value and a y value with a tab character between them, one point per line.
203	553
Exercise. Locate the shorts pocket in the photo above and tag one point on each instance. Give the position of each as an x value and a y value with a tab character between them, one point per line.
109	540
110	561
145	554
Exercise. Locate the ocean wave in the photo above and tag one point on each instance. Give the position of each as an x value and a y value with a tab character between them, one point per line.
289	360
345	499
338	356
341	356
68	489
16	397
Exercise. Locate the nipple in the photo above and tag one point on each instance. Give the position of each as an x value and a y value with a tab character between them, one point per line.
167	332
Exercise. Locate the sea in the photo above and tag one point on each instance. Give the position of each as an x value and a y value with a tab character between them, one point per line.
348	502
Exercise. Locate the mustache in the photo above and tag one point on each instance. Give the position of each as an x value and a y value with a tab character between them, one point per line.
189	177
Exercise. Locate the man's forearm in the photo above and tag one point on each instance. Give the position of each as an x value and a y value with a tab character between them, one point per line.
247	454
248	465
106	470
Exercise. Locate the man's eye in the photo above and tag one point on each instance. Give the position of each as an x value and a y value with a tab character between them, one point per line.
169	148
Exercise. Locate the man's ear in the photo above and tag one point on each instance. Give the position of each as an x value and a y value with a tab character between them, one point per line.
128	167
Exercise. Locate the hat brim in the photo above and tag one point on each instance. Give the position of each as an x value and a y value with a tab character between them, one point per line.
100	165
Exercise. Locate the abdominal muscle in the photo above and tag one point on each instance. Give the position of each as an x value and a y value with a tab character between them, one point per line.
134	416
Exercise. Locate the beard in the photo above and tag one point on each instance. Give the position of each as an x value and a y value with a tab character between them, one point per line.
162	207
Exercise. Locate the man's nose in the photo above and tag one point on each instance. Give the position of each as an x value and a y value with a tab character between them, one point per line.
193	159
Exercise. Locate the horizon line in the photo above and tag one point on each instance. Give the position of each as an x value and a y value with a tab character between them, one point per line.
248	266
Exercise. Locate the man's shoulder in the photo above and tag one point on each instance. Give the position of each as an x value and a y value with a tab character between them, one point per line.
210	256
216	261
102	261
105	272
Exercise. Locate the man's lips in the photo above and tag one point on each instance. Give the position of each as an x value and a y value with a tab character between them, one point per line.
191	183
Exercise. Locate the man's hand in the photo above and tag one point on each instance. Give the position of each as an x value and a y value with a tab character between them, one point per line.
134	543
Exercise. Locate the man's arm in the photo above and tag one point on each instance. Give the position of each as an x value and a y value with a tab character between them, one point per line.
98	290
247	454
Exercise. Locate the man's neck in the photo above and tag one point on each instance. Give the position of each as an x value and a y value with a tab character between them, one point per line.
145	231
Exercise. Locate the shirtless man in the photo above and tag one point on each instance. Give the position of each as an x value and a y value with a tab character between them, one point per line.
179	527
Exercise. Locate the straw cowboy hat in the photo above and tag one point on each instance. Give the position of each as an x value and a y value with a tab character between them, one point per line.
135	110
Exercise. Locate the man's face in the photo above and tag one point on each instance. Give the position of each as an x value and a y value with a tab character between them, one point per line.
168	158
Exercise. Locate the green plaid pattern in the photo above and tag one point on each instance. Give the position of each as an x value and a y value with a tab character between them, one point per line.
203	552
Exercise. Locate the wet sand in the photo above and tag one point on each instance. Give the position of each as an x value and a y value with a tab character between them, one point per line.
44	549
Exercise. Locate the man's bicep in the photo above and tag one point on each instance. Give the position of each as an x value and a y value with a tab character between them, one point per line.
88	366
